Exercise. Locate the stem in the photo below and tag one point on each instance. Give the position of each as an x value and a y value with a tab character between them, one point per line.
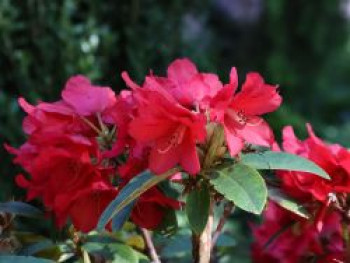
151	249
202	243
227	211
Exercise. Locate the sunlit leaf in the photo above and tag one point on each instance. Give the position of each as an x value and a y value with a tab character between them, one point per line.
282	161
137	186
243	185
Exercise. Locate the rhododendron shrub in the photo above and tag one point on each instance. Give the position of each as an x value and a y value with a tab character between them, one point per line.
99	160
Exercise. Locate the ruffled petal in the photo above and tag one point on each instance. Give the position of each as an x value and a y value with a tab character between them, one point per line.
256	97
181	70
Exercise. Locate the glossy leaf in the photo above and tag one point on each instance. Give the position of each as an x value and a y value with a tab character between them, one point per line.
124	214
131	192
242	185
20	208
197	208
169	224
282	161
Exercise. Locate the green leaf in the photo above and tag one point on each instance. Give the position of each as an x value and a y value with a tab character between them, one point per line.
137	186
242	185
113	252
197	208
169	225
282	161
23	259
287	202
19	208
32	249
124	254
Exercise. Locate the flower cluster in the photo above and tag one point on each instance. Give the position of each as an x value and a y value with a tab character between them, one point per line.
286	237
82	150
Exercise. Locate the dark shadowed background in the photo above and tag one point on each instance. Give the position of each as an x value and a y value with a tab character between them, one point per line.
304	46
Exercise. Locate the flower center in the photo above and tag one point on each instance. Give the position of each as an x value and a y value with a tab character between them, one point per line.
173	140
242	119
238	116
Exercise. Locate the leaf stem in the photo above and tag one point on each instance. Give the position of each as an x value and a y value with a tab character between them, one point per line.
151	248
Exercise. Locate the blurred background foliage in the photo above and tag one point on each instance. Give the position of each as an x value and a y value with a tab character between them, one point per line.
304	46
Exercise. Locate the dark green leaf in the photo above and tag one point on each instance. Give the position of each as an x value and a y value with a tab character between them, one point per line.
282	161
197	208
242	185
137	186
169	225
23	259
36	247
19	208
287	202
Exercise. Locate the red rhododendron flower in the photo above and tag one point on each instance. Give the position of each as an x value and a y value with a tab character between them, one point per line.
59	165
334	159
189	87
80	99
286	238
171	131
150	209
84	206
240	113
85	98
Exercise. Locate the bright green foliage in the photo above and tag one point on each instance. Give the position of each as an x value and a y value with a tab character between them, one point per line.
243	185
282	161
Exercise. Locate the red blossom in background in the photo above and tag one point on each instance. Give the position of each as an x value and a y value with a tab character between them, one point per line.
333	158
284	237
321	236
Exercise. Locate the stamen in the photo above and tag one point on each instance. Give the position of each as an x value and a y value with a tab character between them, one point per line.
91	125
238	116
243	119
174	139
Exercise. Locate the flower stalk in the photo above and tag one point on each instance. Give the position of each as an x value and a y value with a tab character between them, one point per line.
202	243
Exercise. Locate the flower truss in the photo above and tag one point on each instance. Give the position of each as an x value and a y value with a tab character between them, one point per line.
95	159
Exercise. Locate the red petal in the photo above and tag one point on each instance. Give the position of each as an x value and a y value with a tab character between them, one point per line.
256	97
